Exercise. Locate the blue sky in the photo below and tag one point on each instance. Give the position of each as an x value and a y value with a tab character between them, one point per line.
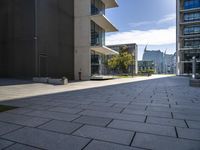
144	22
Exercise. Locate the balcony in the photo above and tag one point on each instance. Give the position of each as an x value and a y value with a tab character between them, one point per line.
190	22
190	10
103	22
110	3
104	50
189	35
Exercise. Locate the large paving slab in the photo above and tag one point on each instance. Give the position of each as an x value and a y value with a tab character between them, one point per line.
7	127
194	124
166	121
106	134
99	145
143	127
53	115
21	147
155	142
22	119
93	120
111	115
5	143
46	140
61	126
192	134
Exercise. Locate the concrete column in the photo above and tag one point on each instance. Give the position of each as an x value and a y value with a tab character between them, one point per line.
82	39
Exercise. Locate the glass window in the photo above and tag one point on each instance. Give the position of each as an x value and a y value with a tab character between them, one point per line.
189	4
192	30
97	35
192	16
192	43
97	7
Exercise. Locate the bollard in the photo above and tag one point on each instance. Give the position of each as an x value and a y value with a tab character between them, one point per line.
194	67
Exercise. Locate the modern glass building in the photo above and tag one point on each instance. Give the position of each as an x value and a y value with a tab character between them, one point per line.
188	35
91	25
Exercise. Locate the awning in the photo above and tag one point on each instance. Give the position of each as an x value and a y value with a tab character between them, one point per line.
104	50
103	22
110	3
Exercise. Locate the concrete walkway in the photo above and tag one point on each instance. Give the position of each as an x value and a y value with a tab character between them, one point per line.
156	113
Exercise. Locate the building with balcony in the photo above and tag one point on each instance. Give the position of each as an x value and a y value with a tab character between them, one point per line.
54	38
133	50
91	25
188	35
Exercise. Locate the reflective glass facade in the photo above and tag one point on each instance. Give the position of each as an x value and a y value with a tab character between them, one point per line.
97	35
192	30
97	7
189	4
192	43
192	16
188	37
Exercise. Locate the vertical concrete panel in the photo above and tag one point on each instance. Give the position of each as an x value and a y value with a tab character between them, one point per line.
82	39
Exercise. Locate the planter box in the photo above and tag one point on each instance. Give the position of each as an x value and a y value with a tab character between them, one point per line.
40	79
58	81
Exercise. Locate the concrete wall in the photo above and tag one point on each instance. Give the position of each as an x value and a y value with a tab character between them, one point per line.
16	40
82	39
55	38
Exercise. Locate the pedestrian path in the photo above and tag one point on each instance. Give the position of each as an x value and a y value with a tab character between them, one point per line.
154	114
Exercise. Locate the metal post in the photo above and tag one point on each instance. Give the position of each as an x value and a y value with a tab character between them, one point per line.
194	67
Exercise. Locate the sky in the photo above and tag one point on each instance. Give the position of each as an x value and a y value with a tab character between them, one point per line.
144	22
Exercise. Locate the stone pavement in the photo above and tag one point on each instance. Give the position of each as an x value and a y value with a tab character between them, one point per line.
154	114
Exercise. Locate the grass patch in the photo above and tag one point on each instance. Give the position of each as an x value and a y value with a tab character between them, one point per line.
4	108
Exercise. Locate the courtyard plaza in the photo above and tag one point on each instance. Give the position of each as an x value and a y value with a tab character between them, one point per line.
160	112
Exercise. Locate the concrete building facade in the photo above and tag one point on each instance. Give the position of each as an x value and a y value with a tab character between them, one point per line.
188	35
133	49
36	38
91	25
52	38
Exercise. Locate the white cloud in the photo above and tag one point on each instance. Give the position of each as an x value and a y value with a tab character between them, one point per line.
152	37
170	18
138	24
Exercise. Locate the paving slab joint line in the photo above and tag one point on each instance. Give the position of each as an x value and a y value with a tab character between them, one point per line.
109	122
176	132
145	120
8	146
172	115
132	138
122	110
77	130
76	118
22	144
186	124
87	144
44	123
13	130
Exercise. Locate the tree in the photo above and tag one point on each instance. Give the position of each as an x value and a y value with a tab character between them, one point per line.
121	61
